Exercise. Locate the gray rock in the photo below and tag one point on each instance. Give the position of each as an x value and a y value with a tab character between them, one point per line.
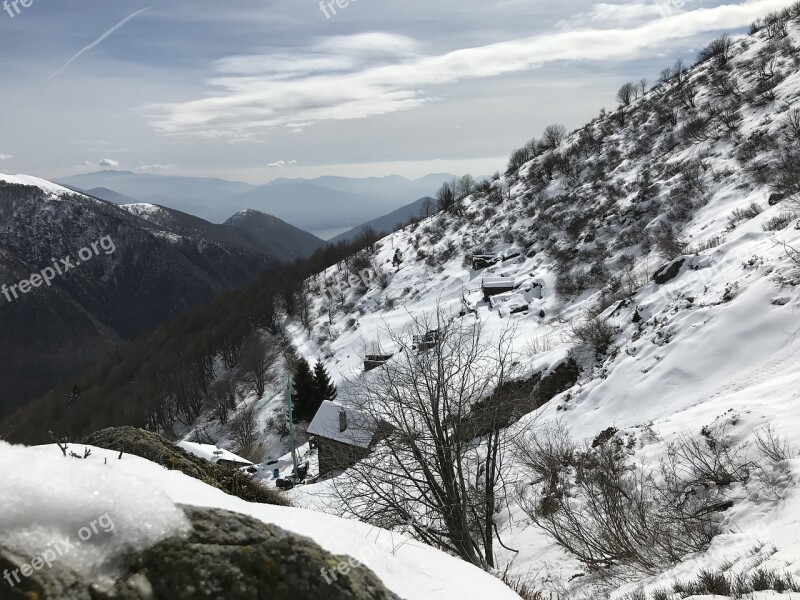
669	271
58	582
226	556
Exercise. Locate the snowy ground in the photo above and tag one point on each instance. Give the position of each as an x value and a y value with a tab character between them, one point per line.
719	341
55	497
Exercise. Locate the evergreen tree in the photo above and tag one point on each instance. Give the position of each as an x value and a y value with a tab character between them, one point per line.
323	384
304	393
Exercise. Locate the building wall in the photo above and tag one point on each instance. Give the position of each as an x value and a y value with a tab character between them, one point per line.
336	456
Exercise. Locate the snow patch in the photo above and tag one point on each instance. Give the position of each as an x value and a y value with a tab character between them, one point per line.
48	499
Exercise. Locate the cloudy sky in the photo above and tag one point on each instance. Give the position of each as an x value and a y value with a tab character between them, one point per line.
258	89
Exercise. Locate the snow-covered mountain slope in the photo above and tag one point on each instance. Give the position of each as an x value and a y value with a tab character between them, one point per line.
249	231
138	499
693	182
136	276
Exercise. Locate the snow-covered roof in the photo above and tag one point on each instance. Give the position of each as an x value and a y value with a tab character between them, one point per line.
358	431
497	282
212	453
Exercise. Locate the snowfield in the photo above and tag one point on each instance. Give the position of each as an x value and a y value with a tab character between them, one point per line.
715	347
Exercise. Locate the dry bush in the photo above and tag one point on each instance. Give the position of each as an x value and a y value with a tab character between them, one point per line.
740	215
791	126
610	514
717	582
774	447
778	222
786	177
594	332
522	587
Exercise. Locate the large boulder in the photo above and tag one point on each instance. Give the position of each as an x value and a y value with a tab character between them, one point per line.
669	271
155	448
225	556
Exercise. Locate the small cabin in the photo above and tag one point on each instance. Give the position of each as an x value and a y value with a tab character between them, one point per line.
491	286
344	435
426	341
481	261
373	361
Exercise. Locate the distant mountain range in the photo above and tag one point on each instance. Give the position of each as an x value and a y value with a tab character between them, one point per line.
312	204
248	230
164	264
392	222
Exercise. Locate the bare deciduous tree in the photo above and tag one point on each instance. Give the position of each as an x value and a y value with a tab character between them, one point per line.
627	94
553	136
246	431
465	186
447	195
223	397
440	470
256	363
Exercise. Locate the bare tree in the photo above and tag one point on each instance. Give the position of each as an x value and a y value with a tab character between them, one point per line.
427	208
366	238
553	136
447	196
440	470
256	363
223	397
246	431
627	94
465	186
303	305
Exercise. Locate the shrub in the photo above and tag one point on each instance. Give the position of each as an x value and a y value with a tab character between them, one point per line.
522	587
740	215
608	513
778	222
791	126
716	582
596	333
786	177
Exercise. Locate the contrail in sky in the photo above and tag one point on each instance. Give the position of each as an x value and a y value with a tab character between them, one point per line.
98	41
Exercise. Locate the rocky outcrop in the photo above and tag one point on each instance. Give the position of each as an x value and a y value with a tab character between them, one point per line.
669	271
155	448
225	556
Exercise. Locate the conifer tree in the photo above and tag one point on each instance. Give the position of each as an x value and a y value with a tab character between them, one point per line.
323	384
305	392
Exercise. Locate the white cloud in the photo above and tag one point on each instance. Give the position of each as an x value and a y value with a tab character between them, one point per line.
108	162
6	156
281	163
254	94
156	168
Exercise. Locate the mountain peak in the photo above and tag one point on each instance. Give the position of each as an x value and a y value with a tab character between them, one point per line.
47	186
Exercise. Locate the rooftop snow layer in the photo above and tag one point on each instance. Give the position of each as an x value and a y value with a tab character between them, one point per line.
359	429
212	453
